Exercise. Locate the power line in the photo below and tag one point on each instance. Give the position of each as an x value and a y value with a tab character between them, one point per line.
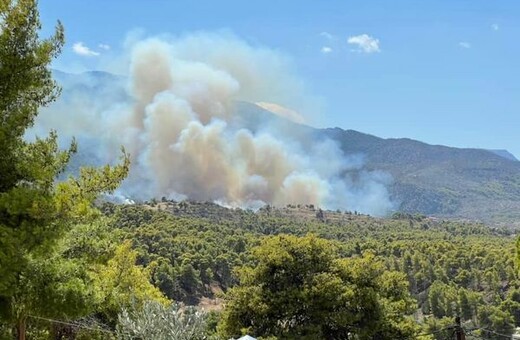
493	332
435	332
71	324
473	336
461	332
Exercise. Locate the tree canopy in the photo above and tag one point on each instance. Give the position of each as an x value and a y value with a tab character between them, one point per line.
452	267
299	288
35	210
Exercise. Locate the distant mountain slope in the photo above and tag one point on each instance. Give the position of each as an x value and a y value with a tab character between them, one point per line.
430	179
440	180
505	154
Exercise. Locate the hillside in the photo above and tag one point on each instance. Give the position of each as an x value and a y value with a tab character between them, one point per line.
451	267
436	180
431	179
504	153
439	180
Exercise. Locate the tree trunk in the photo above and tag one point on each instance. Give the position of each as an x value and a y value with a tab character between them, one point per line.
20	329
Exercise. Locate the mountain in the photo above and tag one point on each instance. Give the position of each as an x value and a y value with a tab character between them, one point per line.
504	153
439	180
435	180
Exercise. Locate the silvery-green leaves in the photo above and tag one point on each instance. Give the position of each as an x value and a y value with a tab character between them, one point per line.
154	321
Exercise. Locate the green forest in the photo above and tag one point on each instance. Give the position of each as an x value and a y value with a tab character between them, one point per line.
74	266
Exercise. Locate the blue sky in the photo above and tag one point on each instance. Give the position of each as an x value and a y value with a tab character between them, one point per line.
443	72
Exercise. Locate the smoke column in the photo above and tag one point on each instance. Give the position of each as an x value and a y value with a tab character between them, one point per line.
175	117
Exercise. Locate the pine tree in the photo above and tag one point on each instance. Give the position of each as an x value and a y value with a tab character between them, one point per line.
35	210
300	289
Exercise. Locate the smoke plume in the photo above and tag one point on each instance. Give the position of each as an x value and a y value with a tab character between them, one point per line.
175	113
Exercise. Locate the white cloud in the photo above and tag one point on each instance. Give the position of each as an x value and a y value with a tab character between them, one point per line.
326	50
495	27
464	44
327	36
81	49
365	43
104	47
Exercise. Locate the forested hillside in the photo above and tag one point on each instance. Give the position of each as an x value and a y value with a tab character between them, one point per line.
208	256
443	181
451	268
435	180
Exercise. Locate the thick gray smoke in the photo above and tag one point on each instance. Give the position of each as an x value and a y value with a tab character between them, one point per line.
176	115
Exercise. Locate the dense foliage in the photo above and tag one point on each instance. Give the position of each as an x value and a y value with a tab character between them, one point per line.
450	268
299	288
155	321
38	279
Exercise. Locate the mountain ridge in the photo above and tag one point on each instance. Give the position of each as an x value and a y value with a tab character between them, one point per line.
436	180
